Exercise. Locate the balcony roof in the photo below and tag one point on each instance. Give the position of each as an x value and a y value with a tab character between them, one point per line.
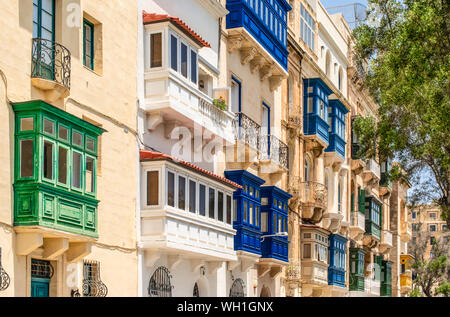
149	18
145	155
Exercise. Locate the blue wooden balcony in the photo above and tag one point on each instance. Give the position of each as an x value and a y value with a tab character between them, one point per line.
274	218
337	251
315	115
337	130
265	20
247	200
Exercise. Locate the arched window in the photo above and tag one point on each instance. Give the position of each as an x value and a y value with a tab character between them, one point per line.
159	285
237	289
196	292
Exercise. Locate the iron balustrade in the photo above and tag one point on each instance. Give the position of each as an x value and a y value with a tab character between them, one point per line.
92	284
42	269
4	277
272	148
51	61
247	130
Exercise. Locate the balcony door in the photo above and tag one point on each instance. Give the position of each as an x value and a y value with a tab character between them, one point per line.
265	129
43	38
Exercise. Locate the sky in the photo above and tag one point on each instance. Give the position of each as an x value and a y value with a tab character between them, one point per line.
333	3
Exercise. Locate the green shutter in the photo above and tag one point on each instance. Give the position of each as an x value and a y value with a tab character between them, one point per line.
362	201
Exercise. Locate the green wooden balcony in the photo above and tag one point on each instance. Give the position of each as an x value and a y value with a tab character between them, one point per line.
55	184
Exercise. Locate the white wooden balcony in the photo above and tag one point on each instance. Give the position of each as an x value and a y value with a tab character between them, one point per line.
386	241
357	226
372	171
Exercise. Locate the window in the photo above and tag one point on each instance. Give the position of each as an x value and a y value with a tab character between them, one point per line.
92	284
63	133
152	188
155	50
235	95
413	215
90	178
192	196
173	52
307	28
202	206
193	66
184	60
307	251
432	228
228	209
49	126
44	19
26	158
48	160
432	240
181	193
77	139
212	203
62	165
171	189
257	215
264	217
250	209
76	169
26	124
245	212
90	144
220	206
432	215
88	44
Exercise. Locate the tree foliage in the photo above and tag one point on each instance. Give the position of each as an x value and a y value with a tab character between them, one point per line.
407	51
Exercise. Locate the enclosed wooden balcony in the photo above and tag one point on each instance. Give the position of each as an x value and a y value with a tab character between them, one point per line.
386	241
371	172
357	225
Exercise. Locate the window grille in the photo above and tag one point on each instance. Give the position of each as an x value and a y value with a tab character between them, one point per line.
41	269
159	285
237	289
92	284
4	277
196	292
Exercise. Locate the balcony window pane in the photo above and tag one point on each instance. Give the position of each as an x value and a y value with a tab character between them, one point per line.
173	53
193	67
257	215
228	209
26	124
90	144
152	188
264	221
192	196
202	206
171	189
181	193
220	206
62	165
184	60
235	210
251	213
245	211
76	170
77	138
48	160
274	222
156	50
307	251
90	174
49	126
212	203
26	158
63	133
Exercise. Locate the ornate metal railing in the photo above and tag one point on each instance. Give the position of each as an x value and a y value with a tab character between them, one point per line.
4	277
92	284
159	285
272	148
313	192
208	109
51	61
247	130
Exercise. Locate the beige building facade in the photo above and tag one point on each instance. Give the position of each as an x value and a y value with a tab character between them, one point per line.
68	88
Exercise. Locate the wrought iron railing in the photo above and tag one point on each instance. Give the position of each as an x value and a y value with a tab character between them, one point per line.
51	61
272	148
247	130
208	109
92	284
160	285
313	192
4	277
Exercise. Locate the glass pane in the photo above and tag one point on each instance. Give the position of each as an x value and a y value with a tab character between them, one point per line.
245	211
228	209
152	188
49	126
77	138
192	196
220	206
63	133
47	5
274	223
193	67
90	144
156	50
212	202
171	189
76	169
181	193
47	21
251	213
26	124
62	165
89	174
202	207
26	158
264	222
184	60
173	53
257	216
48	160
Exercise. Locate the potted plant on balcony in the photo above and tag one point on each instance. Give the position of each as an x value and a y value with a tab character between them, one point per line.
220	103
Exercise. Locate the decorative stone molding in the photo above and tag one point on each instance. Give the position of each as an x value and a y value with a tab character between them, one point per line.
247	54
257	63
266	71
234	42
275	82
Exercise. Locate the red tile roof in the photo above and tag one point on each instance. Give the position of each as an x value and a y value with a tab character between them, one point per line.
154	18
149	155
